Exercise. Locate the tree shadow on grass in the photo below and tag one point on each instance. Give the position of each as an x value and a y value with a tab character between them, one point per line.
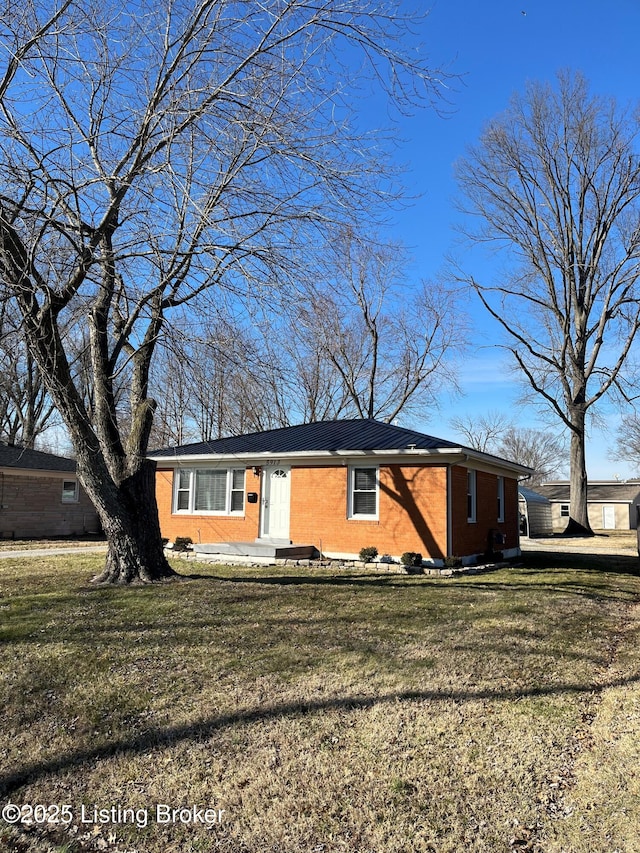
594	561
360	579
526	580
207	728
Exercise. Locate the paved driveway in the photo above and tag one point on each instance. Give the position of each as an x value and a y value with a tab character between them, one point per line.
52	551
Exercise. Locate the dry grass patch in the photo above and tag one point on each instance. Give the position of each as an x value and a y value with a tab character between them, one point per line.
320	712
602	807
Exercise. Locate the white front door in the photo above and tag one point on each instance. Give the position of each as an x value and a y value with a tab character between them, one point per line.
276	501
609	517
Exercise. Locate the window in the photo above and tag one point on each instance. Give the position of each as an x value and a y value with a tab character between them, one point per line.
500	498
183	490
471	495
363	493
212	490
564	510
237	490
69	491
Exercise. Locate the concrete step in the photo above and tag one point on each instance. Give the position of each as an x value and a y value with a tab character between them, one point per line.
257	549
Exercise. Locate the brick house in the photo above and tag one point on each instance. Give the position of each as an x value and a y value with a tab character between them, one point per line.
40	496
339	486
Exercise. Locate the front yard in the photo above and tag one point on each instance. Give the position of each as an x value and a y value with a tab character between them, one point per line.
309	711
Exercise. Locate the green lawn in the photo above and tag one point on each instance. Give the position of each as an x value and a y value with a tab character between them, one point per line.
311	711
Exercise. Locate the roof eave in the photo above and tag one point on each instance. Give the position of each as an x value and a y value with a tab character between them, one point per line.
441	455
22	469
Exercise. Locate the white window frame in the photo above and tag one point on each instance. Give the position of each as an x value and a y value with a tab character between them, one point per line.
236	489
472	495
177	489
500	487
231	489
67	497
351	513
564	514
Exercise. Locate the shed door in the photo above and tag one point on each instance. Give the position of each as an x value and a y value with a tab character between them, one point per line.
276	502
609	517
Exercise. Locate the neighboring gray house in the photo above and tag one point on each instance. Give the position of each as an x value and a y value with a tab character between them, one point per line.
611	504
535	513
40	496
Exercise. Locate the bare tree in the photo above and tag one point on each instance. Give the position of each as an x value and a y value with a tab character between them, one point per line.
627	442
482	432
213	379
296	370
171	383
26	410
392	346
543	451
540	449
169	149
555	181
346	346
245	378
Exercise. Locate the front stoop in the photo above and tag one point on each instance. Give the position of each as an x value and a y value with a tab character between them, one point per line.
275	550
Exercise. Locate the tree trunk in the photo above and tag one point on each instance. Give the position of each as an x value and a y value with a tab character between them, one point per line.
129	517
578	515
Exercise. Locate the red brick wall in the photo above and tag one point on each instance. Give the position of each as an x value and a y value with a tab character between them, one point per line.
319	512
207	528
472	537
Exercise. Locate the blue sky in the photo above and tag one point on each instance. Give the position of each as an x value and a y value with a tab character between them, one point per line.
496	48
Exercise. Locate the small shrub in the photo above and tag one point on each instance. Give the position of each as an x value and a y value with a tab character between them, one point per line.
182	543
452	562
411	558
368	554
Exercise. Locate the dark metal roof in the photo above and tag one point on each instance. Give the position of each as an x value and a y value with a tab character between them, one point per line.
599	492
327	436
34	460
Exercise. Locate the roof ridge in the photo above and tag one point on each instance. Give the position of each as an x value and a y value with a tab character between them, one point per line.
327	435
